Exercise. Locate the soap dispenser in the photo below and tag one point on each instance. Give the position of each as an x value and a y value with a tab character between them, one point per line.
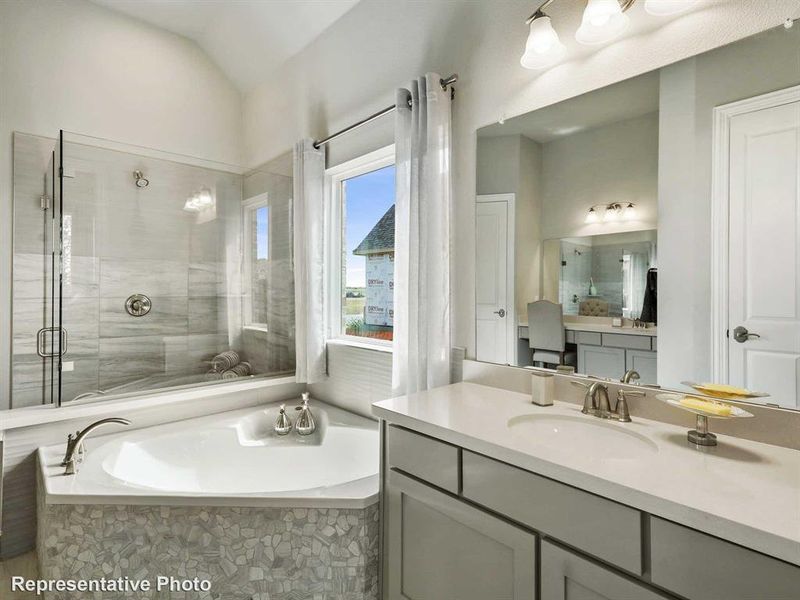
305	423
283	423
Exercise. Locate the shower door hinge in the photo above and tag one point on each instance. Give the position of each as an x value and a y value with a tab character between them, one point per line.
44	202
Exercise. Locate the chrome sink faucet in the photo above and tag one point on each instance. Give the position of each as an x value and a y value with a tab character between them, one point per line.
75	449
631	376
597	404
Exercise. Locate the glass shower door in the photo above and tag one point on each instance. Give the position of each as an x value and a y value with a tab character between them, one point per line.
50	338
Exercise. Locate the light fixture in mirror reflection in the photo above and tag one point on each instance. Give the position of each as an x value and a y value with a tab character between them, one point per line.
199	201
611	213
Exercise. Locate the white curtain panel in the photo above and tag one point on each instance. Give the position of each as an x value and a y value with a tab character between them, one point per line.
309	285
422	237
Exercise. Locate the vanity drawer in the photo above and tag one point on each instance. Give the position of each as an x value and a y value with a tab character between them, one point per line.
588	337
621	340
702	567
608	530
424	457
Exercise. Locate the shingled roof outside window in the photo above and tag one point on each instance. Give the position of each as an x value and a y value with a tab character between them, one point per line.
381	239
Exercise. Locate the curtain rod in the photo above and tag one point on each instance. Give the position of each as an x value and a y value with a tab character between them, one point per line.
444	82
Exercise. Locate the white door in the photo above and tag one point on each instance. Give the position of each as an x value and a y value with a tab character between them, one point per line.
493	281
764	252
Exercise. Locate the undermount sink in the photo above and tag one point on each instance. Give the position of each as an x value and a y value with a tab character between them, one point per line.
585	435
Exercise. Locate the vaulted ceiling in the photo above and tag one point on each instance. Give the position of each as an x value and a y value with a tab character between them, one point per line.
247	39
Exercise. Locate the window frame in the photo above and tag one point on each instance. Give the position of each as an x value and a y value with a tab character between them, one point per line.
335	253
249	208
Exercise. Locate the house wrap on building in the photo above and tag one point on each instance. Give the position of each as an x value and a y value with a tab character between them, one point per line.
378	248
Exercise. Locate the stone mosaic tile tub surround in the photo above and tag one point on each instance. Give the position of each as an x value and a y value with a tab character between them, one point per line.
247	553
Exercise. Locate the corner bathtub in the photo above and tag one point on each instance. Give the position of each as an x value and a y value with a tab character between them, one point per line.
223	498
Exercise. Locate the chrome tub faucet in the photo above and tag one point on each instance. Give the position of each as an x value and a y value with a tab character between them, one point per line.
75	449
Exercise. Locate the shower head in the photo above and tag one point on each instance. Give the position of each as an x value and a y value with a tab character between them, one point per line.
140	179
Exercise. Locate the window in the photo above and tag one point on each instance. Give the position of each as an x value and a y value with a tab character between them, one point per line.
256	261
361	194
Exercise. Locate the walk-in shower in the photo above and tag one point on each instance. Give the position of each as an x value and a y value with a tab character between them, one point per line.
117	290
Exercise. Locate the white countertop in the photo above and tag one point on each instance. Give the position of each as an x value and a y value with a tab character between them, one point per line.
604	328
742	491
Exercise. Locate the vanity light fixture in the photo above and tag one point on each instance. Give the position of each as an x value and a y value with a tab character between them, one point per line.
603	21
543	48
665	8
611	213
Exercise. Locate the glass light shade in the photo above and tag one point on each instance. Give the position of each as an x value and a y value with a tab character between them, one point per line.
612	214
603	20
664	8
629	212
591	216
543	47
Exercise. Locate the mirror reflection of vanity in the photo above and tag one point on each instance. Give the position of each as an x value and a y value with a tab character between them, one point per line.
649	212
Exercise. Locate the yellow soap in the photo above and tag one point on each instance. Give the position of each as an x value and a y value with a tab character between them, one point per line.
714	408
722	389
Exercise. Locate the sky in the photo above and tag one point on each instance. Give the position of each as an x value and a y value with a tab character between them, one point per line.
367	198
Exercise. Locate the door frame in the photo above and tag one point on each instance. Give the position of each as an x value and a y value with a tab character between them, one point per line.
511	308
720	204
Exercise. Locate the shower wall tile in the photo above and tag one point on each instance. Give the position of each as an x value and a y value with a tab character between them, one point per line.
30	275
206	278
81	278
123	277
143	231
31	157
167	316
29	371
203	314
125	359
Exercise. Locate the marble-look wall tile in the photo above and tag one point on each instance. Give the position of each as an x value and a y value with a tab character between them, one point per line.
167	316
123	277
203	314
125	359
246	553
206	278
29	372
31	157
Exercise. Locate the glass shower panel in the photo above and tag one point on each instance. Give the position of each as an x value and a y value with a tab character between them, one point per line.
138	259
34	372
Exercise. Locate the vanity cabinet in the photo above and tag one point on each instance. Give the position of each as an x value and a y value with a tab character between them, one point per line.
442	548
570	576
459	525
644	363
601	362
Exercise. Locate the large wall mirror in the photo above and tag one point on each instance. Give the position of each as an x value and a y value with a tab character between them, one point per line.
651	228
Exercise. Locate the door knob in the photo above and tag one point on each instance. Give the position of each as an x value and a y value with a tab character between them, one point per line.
741	335
501	312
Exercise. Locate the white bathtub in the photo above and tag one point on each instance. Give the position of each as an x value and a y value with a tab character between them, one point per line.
227	459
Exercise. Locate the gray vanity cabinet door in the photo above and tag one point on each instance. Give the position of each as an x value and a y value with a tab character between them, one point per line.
644	363
440	548
601	361
567	576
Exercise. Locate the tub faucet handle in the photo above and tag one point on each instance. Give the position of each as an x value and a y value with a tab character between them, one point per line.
283	424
